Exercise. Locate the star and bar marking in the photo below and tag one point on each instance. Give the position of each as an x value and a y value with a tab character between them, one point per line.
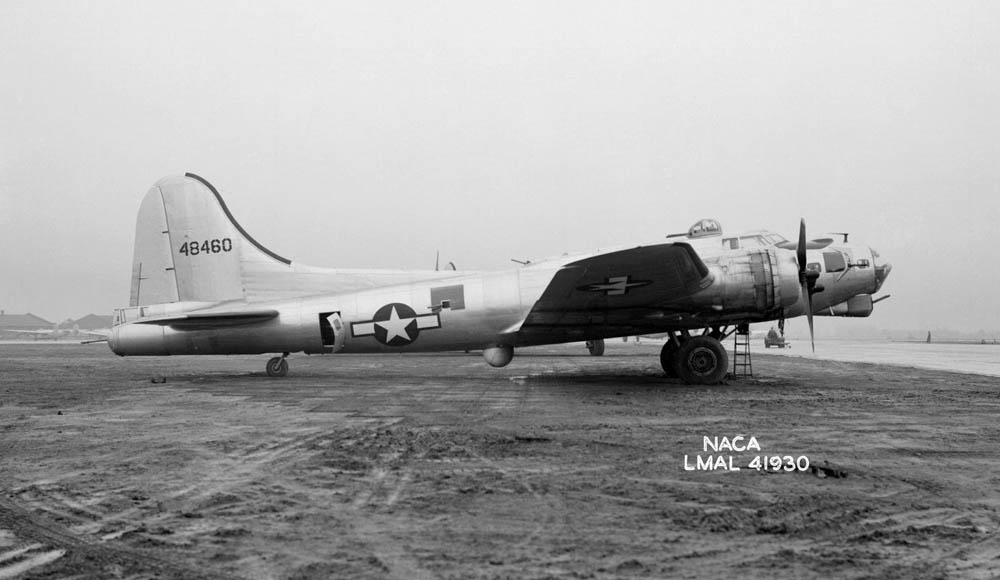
615	285
395	324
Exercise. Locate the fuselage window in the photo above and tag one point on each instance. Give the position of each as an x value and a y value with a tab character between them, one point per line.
834	261
731	243
814	266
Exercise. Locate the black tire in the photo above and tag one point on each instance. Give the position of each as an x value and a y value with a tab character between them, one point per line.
702	360
668	358
277	367
596	347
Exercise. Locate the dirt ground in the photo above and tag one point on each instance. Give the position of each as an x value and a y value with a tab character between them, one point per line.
560	465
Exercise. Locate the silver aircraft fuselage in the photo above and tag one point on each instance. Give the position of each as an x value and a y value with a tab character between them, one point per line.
748	285
202	285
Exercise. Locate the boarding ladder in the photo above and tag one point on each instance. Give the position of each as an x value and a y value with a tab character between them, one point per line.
742	364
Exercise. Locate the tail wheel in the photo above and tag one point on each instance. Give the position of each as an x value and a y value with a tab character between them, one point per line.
668	358
702	360
277	367
596	347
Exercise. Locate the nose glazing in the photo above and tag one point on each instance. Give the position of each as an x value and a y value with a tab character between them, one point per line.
882	270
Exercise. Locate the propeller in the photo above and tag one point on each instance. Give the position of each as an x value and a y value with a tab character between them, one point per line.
807	279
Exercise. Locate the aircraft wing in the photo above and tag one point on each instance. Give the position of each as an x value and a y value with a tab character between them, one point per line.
32	332
627	289
213	319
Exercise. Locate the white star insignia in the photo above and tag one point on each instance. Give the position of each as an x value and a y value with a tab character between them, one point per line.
395	326
387	318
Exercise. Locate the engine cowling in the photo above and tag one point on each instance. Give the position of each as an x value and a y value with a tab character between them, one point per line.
859	306
752	283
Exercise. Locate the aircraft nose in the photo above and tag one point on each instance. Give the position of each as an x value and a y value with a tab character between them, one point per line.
882	270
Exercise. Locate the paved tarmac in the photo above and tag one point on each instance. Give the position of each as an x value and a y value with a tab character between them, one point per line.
560	465
962	357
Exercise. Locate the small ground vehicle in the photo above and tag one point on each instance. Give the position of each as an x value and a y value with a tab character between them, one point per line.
775	339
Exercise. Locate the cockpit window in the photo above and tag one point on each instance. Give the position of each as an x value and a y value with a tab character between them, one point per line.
834	261
814	266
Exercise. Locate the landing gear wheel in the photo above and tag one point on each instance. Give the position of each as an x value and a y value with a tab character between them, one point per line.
596	347
277	367
668	358
702	360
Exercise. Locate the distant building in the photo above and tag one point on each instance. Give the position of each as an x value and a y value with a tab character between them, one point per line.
93	322
15	325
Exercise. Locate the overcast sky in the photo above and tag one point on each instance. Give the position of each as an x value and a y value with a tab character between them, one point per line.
368	134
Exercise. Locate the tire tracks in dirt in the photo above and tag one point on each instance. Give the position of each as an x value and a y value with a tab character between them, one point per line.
88	556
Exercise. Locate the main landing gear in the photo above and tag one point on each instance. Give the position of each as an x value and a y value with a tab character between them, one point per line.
696	360
277	366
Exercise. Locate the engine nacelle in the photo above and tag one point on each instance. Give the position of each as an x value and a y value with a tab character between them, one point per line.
752	283
859	306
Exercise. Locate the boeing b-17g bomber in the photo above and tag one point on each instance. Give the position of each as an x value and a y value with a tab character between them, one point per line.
203	285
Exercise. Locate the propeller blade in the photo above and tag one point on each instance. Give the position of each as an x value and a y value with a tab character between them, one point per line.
809	312
809	317
800	250
800	256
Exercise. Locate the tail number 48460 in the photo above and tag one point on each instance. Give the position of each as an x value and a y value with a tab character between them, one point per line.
206	247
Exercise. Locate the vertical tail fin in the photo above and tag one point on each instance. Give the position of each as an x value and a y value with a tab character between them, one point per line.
188	246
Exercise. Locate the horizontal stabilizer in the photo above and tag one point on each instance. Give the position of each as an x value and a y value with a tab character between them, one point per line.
203	320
